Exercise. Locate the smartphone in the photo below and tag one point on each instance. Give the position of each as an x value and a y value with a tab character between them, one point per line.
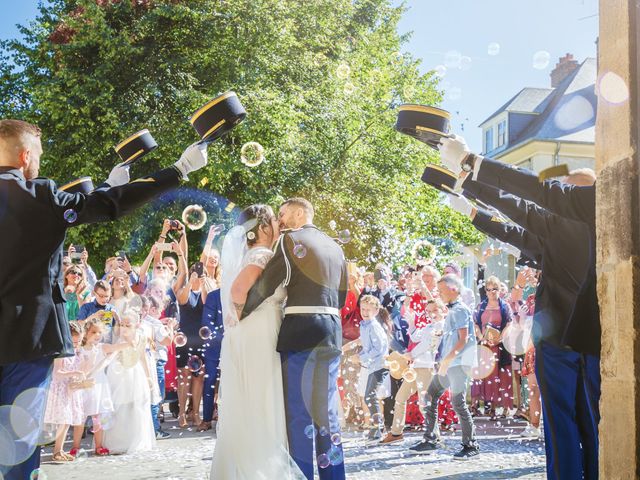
107	318
77	255
163	247
174	225
122	255
199	269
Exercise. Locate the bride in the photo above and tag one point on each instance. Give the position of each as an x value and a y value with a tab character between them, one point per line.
251	433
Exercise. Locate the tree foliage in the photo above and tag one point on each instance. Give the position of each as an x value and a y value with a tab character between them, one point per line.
91	72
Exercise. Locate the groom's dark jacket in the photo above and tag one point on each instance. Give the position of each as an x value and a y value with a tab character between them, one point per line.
313	269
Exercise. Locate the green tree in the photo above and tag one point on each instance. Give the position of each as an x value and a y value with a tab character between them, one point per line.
320	79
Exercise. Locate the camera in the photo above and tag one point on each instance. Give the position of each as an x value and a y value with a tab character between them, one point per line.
174	225
198	267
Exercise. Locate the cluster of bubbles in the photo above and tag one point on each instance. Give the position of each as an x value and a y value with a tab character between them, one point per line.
541	59
454	59
409	375
342	73
493	49
194	217
20	431
252	154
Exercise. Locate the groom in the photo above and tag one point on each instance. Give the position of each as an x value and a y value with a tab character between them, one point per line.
313	268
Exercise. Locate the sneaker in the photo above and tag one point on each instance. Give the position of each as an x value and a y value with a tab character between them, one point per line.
531	432
467	452
391	438
374	435
423	447
161	435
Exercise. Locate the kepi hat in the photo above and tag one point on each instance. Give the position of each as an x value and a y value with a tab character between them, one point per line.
439	178
218	116
81	185
136	146
425	123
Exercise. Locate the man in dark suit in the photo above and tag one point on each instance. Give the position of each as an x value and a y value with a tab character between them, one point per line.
562	214
34	218
313	268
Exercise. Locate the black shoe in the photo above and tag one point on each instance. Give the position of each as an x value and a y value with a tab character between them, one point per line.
423	447
467	452
161	435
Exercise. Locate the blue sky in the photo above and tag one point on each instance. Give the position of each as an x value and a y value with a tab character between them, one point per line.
458	33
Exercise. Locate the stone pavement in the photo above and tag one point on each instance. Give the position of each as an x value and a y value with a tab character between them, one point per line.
187	455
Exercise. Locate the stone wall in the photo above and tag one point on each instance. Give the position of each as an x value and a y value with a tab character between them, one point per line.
618	217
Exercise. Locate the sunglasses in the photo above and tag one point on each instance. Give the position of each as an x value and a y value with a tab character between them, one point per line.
161	267
74	273
492	289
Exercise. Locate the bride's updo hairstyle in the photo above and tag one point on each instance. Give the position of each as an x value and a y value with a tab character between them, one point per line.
253	218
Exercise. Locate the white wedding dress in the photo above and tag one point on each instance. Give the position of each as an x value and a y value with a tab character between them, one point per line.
251	433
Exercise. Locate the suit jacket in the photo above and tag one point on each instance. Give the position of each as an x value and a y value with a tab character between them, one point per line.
530	245
34	218
313	268
572	244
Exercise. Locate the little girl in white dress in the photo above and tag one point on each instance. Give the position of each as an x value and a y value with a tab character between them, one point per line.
131	428
97	401
65	404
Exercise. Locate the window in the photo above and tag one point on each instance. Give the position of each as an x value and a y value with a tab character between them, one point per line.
502	133
488	140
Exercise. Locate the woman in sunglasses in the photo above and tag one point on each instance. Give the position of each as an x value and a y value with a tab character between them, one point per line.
494	381
75	290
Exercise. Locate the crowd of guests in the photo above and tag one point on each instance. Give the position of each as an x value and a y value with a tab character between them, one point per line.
414	343
143	336
418	352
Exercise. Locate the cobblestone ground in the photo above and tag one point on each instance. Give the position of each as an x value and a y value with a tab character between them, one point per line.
187	455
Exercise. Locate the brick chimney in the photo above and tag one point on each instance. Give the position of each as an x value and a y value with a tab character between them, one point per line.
565	67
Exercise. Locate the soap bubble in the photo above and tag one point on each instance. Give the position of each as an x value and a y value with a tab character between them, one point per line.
454	93
349	88
194	217
577	111
440	71
38	474
300	251
323	460
493	49
452	59
398	57
344	236
324	431
82	455
465	63
332	224
205	333
515	339
409	375
180	339
343	71
393	365
486	363
252	154
310	431
336	439
541	60
194	363
70	215
612	88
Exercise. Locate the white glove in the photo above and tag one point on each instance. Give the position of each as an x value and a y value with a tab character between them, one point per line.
192	159
119	175
460	204
452	152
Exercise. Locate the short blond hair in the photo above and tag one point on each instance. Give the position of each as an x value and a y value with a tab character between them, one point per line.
370	300
302	203
493	280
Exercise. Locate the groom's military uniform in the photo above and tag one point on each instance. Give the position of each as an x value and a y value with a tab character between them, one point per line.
312	267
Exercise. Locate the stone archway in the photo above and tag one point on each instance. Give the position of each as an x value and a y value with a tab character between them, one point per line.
618	230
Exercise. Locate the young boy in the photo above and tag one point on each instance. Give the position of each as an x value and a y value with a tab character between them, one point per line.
457	358
422	357
375	346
